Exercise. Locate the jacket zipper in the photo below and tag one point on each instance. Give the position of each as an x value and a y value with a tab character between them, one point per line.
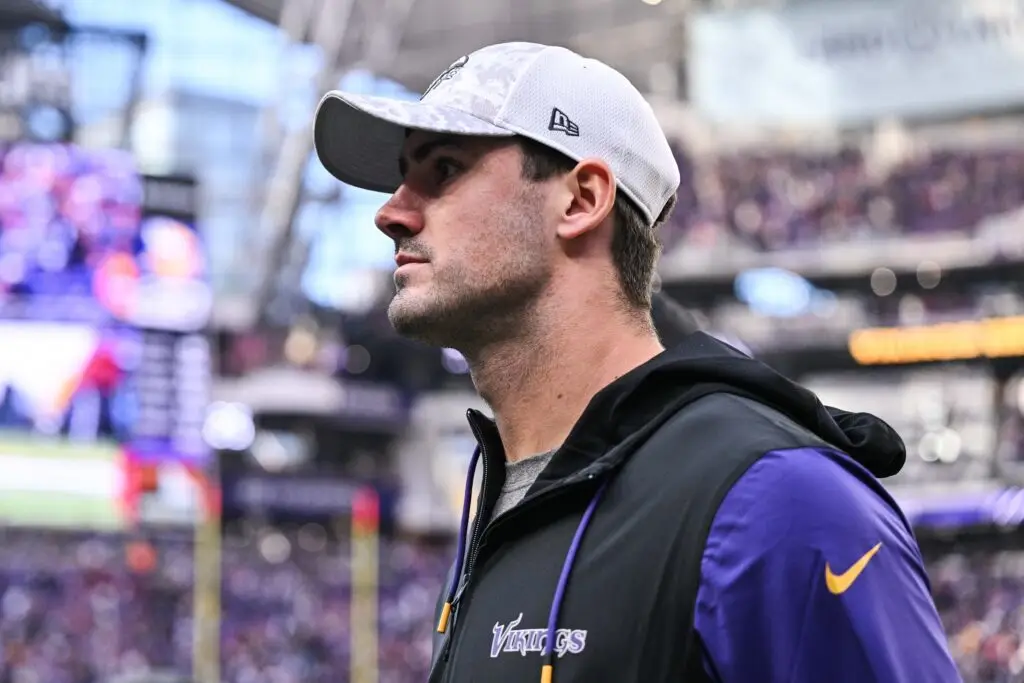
544	496
474	546
478	528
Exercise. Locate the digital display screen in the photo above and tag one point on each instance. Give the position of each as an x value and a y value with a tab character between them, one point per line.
964	340
104	367
69	233
67	403
84	237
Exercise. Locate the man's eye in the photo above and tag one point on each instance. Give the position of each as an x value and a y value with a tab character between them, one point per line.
446	169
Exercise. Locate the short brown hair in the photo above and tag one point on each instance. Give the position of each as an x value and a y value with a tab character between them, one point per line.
635	244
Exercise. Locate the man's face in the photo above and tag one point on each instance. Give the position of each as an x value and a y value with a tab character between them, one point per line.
472	248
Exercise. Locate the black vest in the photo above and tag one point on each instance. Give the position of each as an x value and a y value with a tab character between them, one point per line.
628	610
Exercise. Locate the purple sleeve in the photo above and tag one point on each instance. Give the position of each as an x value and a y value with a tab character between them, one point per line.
792	590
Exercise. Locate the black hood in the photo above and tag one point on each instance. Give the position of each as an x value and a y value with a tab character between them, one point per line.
673	322
702	365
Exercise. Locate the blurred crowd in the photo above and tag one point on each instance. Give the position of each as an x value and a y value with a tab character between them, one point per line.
774	201
980	597
78	608
86	608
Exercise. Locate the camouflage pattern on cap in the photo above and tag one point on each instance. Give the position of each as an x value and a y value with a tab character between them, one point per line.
481	84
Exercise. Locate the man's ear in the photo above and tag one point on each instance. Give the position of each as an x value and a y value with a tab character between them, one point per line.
592	197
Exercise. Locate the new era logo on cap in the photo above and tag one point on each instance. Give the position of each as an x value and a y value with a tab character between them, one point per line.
562	124
545	93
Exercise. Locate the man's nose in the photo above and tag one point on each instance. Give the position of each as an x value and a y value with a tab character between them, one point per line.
401	216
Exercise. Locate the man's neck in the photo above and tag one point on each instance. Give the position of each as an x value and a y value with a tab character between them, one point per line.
539	384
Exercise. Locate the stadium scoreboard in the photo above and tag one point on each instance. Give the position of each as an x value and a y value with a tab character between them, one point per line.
99	376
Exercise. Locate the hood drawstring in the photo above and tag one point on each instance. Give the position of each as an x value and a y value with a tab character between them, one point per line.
547	670
460	557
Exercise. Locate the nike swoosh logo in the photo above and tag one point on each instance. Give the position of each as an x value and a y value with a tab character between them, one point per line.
840	583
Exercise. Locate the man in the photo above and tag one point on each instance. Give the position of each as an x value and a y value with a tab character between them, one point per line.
644	515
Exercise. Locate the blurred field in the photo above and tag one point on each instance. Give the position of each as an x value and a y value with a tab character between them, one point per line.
31	508
18	443
56	483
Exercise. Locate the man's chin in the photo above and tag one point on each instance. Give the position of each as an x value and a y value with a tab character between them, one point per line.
415	321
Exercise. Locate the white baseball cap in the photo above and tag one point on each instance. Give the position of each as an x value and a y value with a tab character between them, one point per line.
578	106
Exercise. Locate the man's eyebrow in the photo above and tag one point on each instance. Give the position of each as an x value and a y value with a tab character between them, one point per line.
425	149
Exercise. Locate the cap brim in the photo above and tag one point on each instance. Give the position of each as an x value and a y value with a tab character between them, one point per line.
359	138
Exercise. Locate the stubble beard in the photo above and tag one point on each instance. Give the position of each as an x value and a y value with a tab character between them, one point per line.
469	313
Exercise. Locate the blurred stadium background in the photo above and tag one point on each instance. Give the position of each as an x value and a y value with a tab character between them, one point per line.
219	465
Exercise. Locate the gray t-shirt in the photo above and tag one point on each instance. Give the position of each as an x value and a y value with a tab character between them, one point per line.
519	477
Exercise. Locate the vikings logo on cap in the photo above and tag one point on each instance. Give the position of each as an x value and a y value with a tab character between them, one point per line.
447	74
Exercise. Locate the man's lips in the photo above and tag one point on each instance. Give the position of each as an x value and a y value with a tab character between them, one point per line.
405	259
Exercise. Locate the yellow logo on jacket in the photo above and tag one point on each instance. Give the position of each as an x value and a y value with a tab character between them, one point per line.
840	583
